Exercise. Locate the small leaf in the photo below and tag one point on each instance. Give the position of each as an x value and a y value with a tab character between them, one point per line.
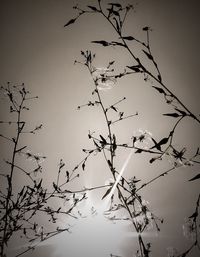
163	141
111	63
195	177
134	140
121	114
39	184
70	22
122	180
135	180
175	115
134	68
138	151
67	175
117	43
112	107
158	145
102	42
55	186
159	77
148	55
114	143
107	192
93	8
83	166
110	164
95	143
146	28
152	160
182	112
160	90
128	38
103	140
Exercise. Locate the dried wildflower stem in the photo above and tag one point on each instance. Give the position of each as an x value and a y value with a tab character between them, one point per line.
158	78
19	207
10	176
128	195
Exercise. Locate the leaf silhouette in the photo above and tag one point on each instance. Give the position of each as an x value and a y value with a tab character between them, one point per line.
152	160
67	175
122	181
101	42
182	112
159	77
103	141
148	55
113	107
117	43
158	145
160	90
70	22
107	192
93	8
55	186
83	166
175	115
39	184
114	143
138	151
134	68
110	164
95	143
128	38
163	141
146	28
111	63
195	177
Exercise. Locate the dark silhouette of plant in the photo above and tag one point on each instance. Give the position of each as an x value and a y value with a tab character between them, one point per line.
127	195
21	205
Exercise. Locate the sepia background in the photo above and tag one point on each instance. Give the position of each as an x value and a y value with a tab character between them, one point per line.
37	50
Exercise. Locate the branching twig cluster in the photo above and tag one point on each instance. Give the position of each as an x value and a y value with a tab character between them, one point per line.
127	195
20	207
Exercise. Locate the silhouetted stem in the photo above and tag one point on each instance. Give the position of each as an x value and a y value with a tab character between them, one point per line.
158	80
10	178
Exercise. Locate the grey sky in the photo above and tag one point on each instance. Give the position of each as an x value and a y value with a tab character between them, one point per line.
36	49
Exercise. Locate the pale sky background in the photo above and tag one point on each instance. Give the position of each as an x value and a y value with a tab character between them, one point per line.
36	49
